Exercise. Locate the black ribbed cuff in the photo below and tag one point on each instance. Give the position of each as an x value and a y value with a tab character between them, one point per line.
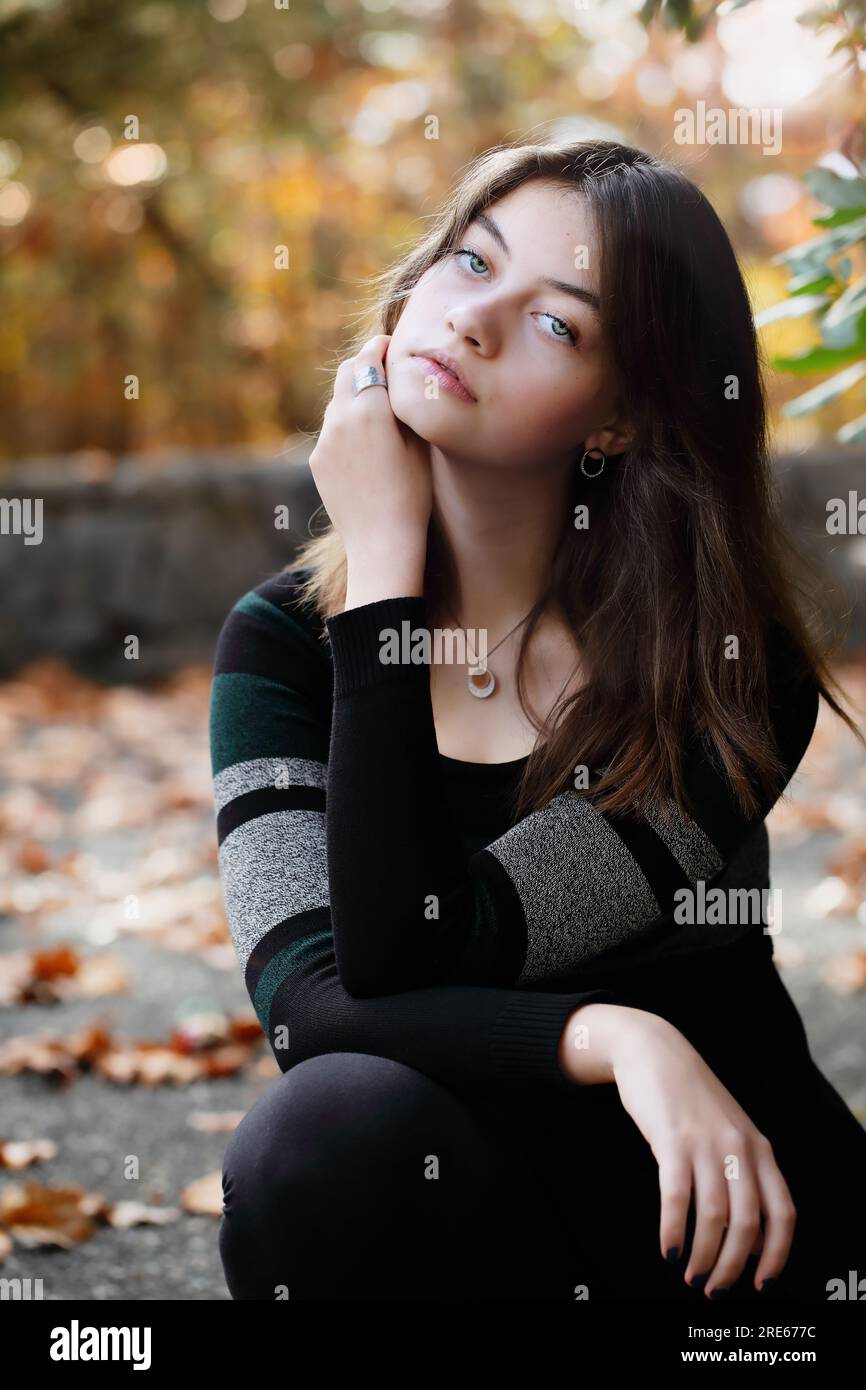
357	647
525	1038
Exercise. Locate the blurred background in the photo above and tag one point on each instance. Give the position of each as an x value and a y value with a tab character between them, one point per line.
194	196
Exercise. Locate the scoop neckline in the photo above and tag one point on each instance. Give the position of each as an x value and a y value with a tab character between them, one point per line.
485	767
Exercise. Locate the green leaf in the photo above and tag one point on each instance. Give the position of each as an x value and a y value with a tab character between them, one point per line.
812	19
826	392
854	39
814	252
840	217
796	307
854	432
818	359
831	188
809	284
840	324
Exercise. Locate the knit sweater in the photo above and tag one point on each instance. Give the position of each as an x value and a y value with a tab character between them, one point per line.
364	919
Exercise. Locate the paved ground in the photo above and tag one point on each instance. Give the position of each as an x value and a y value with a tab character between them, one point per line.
105	808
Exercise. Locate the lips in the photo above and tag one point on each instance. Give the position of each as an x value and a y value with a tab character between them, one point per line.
448	364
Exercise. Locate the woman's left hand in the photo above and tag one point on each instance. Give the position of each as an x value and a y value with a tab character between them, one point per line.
708	1148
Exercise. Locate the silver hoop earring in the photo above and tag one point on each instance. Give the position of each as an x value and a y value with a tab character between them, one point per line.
599	470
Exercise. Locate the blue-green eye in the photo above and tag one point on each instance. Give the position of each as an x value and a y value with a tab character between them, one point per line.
569	334
568	331
467	251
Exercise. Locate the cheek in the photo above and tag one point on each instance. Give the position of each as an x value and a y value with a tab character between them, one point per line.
418	309
402	328
545	405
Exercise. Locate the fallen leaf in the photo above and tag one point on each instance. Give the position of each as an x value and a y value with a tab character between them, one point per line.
846	974
21	1153
126	1214
215	1121
33	858
38	1215
204	1196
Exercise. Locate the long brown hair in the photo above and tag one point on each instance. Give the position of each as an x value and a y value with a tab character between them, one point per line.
686	546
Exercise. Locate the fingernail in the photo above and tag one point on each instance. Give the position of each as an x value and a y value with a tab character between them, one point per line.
718	1293
673	1254
765	1284
699	1281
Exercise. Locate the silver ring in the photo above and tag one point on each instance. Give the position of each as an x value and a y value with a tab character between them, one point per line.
367	376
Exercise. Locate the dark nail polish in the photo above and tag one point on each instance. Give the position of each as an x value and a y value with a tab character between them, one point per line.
765	1284
718	1293
699	1281
673	1254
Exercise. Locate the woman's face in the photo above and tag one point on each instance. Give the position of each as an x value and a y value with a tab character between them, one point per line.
531	353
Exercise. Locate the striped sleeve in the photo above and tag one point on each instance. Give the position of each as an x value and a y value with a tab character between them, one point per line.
567	882
270	728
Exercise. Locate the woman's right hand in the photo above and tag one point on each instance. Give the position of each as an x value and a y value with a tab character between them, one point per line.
698	1134
371	471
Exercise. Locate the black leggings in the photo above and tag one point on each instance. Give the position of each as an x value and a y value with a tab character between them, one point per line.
357	1177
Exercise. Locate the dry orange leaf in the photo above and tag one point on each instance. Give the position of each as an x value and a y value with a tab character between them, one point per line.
846	974
147	1063
125	1214
38	1215
21	1153
58	960
60	1058
33	858
215	1121
849	862
204	1196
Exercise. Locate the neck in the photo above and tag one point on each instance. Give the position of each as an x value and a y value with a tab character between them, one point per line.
501	528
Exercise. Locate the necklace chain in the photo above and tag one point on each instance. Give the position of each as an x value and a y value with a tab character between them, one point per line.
472	681
501	640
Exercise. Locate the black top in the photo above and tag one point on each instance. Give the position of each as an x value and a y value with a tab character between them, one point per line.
377	893
482	796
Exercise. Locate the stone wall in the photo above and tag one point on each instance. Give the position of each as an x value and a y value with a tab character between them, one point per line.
162	546
157	549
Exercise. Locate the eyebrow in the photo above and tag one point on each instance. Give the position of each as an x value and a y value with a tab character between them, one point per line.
586	296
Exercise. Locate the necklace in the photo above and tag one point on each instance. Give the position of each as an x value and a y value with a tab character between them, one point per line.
480	681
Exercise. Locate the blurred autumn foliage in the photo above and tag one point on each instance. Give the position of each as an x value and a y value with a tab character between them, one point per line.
154	158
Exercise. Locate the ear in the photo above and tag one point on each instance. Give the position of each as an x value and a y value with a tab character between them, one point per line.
616	435
613	439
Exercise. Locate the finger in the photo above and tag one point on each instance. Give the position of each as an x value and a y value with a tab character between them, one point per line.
780	1219
675	1187
377	343
372	354
744	1226
711	1217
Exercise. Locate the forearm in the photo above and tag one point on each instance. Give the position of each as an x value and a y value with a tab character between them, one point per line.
409	908
464	1036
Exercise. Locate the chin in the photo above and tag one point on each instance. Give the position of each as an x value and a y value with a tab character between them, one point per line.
410	411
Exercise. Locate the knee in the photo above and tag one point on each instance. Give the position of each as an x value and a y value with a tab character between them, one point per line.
325	1176
340	1122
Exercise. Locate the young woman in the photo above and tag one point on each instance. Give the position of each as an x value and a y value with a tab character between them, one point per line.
490	909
